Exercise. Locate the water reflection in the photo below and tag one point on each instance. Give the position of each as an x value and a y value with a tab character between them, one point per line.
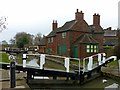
33	62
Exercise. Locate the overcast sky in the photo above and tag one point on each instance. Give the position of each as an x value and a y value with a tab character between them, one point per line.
34	16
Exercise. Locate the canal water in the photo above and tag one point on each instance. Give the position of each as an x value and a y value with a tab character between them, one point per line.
33	63
100	82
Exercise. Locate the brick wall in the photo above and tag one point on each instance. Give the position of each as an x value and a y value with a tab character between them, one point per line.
52	46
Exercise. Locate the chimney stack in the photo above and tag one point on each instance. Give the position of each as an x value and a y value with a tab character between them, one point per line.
96	19
54	25
79	15
109	28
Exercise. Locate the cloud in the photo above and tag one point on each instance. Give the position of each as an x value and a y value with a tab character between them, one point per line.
36	15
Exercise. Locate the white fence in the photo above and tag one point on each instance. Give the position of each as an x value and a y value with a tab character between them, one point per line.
87	63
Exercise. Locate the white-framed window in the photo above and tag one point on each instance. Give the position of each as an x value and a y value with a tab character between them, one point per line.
91	48
52	39
88	48
48	40
95	48
64	35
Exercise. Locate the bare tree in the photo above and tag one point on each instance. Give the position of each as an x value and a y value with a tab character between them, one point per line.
3	23
12	41
37	39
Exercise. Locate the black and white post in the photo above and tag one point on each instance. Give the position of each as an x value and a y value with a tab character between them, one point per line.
12	71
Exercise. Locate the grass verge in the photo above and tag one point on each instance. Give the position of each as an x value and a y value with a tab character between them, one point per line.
4	57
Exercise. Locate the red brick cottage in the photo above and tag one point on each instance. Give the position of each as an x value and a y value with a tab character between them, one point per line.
75	38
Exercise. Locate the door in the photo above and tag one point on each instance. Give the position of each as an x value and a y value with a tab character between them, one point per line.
58	50
76	52
44	50
63	49
48	50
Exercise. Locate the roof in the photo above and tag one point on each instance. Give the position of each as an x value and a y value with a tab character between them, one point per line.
52	33
43	41
110	33
71	25
74	25
67	26
96	29
111	42
85	39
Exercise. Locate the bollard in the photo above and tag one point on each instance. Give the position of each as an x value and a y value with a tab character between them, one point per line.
12	74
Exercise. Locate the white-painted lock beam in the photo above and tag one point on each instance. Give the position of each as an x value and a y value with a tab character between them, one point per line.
90	63
42	60
99	59
104	58
24	60
67	62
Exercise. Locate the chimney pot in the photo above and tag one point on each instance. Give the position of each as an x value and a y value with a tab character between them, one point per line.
110	28
77	10
98	14
79	15
94	14
54	25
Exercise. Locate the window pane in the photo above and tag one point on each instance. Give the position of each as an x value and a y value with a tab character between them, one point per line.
48	40
95	46
95	50
91	50
91	46
63	34
52	39
88	50
88	46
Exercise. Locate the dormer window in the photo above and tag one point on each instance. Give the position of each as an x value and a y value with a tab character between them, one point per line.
48	40
51	39
64	35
